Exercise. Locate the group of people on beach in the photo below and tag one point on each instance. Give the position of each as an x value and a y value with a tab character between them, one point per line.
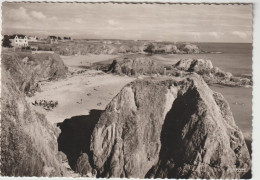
47	105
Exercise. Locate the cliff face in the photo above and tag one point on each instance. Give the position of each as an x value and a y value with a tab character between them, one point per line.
28	141
168	128
27	69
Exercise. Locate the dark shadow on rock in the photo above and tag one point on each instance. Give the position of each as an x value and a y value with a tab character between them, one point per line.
172	147
248	175
112	66
84	67
172	155
249	146
75	135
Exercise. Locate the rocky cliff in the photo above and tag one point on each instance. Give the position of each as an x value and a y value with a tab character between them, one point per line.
82	48
210	73
135	66
85	47
172	48
168	128
27	69
28	140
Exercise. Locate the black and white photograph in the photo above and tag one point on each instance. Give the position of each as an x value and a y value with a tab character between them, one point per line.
127	90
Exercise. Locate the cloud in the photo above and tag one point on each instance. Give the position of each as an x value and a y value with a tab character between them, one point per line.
196	35
214	23
240	34
22	18
37	15
214	34
112	22
18	14
79	20
21	14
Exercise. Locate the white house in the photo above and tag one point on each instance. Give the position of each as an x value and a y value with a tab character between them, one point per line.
19	40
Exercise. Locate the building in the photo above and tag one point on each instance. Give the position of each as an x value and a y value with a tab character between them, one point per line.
18	40
52	40
32	39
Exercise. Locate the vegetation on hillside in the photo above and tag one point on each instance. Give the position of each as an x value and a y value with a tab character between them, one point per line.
28	140
27	69
6	41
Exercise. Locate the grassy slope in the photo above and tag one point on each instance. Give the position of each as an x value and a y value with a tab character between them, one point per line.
28	141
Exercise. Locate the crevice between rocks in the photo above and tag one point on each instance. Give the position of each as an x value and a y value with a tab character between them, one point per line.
75	136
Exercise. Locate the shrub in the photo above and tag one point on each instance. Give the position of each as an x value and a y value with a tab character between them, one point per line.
6	41
150	48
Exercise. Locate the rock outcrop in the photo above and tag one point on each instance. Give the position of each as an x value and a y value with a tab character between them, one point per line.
125	47
96	48
48	66
180	48
211	74
194	65
168	128
27	69
83	166
134	66
28	141
189	48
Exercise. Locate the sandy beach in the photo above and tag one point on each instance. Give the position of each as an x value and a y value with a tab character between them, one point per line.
79	93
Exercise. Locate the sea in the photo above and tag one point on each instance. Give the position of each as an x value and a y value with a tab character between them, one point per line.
231	57
234	57
237	59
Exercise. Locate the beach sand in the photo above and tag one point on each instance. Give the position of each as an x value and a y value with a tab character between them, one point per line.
81	92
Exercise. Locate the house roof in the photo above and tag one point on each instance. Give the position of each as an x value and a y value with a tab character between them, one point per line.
53	37
20	36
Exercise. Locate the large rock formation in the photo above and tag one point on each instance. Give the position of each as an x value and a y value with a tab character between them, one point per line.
168	128
194	65
28	141
82	47
134	66
48	66
172	48
189	48
27	69
211	74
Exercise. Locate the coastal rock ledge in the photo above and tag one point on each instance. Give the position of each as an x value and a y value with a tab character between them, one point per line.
168	128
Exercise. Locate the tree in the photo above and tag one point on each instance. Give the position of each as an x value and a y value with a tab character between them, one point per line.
150	48
6	41
67	38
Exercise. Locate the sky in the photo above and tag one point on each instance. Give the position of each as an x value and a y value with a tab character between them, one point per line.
193	23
